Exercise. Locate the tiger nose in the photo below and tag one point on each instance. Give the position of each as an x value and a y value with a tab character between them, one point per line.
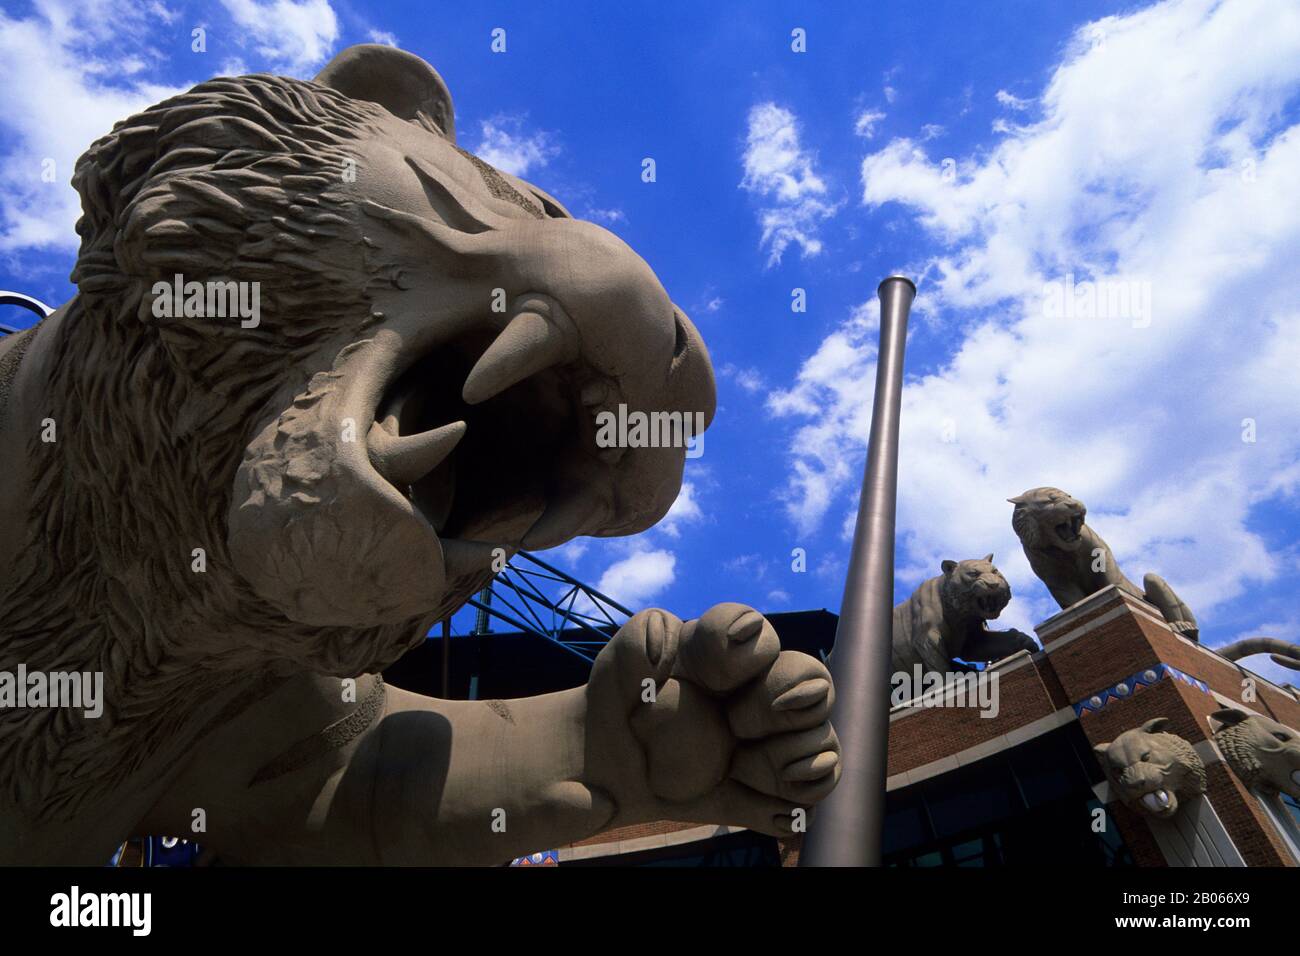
692	381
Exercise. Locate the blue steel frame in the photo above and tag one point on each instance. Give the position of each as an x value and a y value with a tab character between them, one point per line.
579	618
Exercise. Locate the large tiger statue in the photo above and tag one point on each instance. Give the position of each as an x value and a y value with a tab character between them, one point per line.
1073	561
946	618
237	522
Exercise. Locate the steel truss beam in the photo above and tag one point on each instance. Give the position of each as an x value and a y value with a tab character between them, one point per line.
580	619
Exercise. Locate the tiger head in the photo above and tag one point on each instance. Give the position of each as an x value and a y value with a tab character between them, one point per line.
1152	770
1048	518
1262	752
975	588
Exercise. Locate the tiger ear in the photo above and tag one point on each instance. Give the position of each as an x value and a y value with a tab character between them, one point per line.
989	557
948	566
1230	716
1155	725
1017	500
398	81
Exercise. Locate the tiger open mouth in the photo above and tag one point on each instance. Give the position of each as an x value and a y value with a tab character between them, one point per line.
518	464
1159	802
491	436
1071	530
991	605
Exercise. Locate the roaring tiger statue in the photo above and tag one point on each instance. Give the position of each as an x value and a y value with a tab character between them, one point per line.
1151	770
235	521
946	619
1074	562
1262	752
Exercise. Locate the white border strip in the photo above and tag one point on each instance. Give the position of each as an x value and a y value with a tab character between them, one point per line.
915	706
1092	602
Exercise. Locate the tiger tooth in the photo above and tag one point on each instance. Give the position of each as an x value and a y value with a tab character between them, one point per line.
527	345
465	559
566	518
405	459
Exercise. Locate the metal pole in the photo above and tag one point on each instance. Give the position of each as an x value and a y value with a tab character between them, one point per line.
446	658
847	827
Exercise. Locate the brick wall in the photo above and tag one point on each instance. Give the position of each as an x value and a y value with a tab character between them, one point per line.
1128	643
1137	835
925	734
654	828
1111	652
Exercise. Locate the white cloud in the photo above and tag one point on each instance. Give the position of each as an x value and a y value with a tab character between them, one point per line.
752	565
1011	101
888	80
382	36
750	378
569	553
830	389
779	170
504	143
607	216
292	35
163	12
685	510
638	578
64	88
865	124
1193	193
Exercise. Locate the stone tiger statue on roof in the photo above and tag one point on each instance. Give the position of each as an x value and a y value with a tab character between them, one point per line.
947	617
1073	561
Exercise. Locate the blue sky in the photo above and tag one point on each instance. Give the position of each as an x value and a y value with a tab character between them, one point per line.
997	151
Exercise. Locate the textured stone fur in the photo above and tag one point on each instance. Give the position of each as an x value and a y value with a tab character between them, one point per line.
160	410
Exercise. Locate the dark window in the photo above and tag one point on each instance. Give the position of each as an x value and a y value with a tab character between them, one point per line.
1029	806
